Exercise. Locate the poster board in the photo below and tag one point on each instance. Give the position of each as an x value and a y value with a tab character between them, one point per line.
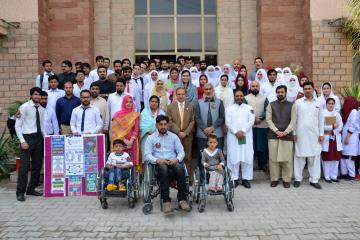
72	164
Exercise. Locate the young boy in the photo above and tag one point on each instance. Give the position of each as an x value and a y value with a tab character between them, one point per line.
117	163
331	146
213	160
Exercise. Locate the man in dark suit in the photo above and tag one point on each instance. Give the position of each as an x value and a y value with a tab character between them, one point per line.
182	121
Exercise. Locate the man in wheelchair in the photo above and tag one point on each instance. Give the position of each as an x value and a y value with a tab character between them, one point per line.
118	165
164	149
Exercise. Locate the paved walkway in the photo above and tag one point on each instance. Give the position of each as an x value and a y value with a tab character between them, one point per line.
260	213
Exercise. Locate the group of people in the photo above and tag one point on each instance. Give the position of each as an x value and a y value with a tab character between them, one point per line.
169	113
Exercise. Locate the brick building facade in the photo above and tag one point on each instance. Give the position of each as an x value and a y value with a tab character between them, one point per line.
284	33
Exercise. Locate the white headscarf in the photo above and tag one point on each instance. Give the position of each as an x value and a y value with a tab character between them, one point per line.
293	88
212	76
264	76
279	76
195	74
322	99
218	71
286	76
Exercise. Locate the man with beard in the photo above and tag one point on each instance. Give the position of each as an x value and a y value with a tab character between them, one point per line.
42	79
281	118
164	149
309	134
51	125
94	73
117	71
106	86
67	74
203	66
87	68
240	118
101	104
131	87
139	82
85	119
236	66
115	99
164	73
30	131
260	129
268	89
258	65
65	106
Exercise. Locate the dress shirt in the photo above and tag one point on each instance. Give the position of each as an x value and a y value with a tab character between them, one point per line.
26	123
132	89
93	75
51	125
163	146
64	108
53	96
102	105
92	121
164	75
114	103
140	87
45	83
77	89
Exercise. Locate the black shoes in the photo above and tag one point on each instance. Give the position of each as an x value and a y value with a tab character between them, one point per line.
20	197
274	183
316	185
297	184
236	183
34	193
334	180
328	181
286	184
246	183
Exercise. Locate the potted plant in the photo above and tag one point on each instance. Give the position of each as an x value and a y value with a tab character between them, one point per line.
4	157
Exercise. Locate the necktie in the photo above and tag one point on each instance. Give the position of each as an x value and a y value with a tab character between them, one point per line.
38	127
128	88
209	117
181	115
83	120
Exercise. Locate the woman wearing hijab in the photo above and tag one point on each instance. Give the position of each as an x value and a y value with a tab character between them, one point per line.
223	92
279	76
287	73
195	74
350	138
172	82
218	72
327	92
202	81
148	119
261	76
212	76
125	126
149	86
228	70
159	90
191	90
240	84
293	88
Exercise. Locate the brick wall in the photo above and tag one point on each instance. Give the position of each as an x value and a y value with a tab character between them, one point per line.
114	34
284	33
332	56
66	31
18	65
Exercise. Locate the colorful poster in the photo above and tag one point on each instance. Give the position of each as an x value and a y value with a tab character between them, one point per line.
72	164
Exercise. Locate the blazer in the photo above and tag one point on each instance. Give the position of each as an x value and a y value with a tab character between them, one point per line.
175	120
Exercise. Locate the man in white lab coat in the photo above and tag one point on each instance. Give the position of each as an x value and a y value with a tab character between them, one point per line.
239	119
309	135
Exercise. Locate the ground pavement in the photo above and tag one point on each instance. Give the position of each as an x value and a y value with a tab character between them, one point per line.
260	213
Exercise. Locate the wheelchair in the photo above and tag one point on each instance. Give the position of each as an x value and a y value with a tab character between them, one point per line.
151	187
201	192
132	188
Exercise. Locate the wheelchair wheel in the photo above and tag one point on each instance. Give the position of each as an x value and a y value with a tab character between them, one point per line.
230	206
147	183
99	187
137	185
196	186
147	208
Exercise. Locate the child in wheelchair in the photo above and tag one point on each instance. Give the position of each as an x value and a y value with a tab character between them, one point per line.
213	161
118	164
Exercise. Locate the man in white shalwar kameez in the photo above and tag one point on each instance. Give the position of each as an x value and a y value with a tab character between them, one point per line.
309	135
239	119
